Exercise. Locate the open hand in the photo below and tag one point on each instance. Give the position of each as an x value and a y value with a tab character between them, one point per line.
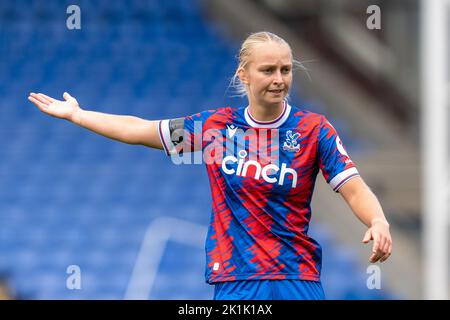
382	246
61	109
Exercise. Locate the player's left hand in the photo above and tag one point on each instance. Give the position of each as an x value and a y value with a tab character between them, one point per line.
382	246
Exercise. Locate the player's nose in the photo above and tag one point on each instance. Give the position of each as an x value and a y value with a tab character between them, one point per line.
278	79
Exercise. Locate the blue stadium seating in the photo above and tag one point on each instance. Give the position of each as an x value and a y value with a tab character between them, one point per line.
69	197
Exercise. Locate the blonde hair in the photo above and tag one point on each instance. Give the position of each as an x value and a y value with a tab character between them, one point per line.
244	55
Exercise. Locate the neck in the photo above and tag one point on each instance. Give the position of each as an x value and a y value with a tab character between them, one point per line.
265	113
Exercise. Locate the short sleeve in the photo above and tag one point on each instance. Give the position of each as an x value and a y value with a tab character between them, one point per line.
334	161
181	135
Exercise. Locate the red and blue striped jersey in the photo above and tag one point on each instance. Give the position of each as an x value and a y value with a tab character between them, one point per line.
262	177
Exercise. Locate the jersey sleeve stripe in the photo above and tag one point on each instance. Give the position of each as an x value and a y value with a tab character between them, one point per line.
340	179
164	135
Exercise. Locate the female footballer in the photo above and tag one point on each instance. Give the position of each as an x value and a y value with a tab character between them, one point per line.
262	161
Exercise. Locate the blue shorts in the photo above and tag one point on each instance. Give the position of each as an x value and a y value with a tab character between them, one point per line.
269	290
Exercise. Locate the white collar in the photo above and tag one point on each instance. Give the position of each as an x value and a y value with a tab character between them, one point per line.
275	123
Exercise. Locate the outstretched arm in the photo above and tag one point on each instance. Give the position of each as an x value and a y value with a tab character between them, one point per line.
367	208
127	129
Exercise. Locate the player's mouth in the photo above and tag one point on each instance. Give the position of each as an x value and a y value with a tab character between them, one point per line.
277	91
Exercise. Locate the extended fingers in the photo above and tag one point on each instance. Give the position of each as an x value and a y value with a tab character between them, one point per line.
42	106
41	98
50	99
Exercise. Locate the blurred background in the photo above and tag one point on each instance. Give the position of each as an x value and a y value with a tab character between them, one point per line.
133	223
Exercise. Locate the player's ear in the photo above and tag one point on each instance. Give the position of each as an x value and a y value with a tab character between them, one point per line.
243	75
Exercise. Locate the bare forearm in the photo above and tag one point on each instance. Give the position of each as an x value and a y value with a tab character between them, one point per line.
123	128
366	207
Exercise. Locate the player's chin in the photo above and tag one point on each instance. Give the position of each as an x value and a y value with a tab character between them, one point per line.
275	98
